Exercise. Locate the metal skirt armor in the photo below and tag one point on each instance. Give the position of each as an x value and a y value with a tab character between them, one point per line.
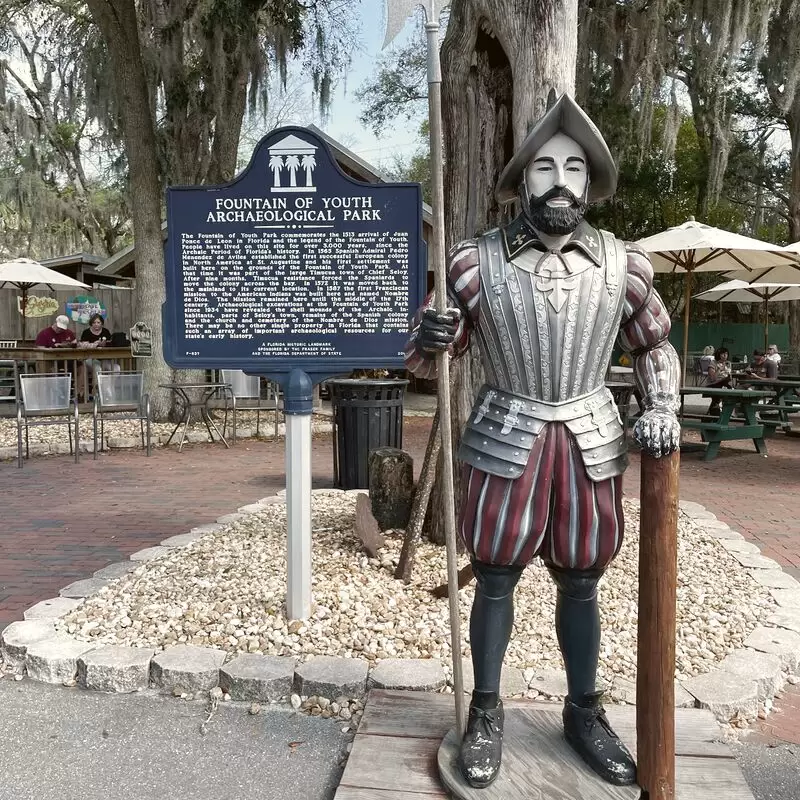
552	510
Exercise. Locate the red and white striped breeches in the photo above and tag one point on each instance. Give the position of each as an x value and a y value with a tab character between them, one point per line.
552	510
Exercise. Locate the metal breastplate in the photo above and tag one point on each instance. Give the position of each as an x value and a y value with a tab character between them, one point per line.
546	336
544	331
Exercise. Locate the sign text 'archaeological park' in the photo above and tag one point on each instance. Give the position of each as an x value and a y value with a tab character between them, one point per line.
293	265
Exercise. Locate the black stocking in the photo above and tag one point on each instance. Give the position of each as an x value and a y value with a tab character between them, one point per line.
490	628
578	628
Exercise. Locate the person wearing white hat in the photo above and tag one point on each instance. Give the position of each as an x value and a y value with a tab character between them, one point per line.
544	449
56	335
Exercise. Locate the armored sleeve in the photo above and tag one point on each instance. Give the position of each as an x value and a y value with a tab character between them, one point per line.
644	331
463	293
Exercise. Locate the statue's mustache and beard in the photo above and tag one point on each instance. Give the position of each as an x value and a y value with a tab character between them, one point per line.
553	220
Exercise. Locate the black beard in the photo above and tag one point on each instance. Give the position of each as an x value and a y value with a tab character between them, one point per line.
558	220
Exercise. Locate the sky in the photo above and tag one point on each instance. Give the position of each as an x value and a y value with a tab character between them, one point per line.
343	123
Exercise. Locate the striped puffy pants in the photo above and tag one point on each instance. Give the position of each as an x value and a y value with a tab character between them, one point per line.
552	510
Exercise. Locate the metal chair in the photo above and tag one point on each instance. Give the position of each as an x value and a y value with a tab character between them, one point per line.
246	391
44	399
121	394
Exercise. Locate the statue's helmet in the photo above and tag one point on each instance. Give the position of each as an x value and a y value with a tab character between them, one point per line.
567	117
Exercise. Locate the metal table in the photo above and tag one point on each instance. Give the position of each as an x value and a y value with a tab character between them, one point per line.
205	392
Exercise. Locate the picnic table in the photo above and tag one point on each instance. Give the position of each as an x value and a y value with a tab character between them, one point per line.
785	396
726	427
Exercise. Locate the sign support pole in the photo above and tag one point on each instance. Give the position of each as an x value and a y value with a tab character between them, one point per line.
298	405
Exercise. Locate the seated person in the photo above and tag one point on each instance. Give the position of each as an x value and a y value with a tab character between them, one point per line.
96	336
719	376
773	355
56	335
706	360
762	367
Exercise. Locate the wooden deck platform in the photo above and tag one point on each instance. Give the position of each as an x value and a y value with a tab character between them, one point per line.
394	755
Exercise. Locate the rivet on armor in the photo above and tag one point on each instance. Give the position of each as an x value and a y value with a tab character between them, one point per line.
491	428
485	442
477	458
528	423
516	452
511	469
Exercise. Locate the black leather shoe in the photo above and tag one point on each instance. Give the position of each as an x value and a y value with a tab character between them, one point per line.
590	735
482	745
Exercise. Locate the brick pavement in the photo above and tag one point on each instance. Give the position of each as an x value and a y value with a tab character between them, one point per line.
61	522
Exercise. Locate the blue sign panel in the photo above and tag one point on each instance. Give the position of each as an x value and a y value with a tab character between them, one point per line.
292	265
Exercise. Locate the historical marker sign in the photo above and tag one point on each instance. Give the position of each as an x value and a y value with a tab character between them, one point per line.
293	265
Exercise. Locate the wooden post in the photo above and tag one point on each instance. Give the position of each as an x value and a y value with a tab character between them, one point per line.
655	674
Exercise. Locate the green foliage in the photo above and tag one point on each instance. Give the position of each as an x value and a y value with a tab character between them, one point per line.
398	89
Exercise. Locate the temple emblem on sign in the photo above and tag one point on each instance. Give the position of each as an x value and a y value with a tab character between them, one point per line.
292	163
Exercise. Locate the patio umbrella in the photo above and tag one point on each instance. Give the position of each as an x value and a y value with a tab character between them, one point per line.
739	291
25	273
695	247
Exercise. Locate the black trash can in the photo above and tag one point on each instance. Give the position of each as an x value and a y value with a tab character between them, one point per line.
367	414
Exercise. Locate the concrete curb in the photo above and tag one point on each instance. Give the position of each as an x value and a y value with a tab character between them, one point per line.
750	676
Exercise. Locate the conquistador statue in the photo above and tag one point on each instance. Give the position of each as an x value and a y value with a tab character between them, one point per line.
544	450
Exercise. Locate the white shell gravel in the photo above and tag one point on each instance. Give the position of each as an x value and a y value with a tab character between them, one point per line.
227	590
122	429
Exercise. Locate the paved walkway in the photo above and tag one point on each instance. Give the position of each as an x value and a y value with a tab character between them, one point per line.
61	522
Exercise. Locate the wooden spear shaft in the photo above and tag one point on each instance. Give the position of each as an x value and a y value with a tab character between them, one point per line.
443	362
655	674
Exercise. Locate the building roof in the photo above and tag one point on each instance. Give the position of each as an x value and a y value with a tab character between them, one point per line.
346	158
74	258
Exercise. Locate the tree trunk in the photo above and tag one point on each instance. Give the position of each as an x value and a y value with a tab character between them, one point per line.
118	24
500	59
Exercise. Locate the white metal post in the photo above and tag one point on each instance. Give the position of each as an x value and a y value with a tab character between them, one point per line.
298	516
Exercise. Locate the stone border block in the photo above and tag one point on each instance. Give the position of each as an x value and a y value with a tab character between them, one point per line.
416	674
751	561
788	618
114	668
786	598
331	677
782	643
19	636
181	540
724	534
549	682
257	678
55	659
274	500
116	570
211	527
227	519
774	579
763	668
53	608
739	546
724	694
188	668
124	442
149	553
250	508
84	588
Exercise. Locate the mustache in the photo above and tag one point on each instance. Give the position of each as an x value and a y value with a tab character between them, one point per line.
556	191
